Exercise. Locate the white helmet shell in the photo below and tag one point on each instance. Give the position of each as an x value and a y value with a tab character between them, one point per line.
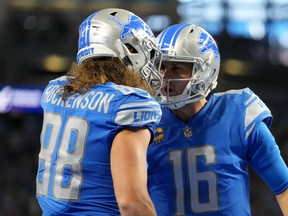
111	32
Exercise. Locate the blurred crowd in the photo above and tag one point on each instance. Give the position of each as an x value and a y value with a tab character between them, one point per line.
19	138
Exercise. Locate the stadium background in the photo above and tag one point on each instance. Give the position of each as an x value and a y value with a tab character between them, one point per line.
38	41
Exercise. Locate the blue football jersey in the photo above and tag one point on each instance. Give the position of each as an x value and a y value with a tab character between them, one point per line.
201	167
74	176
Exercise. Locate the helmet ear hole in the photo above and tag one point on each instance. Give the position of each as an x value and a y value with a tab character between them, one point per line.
131	48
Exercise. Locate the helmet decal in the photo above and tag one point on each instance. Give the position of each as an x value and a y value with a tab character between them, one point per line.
133	23
207	44
84	30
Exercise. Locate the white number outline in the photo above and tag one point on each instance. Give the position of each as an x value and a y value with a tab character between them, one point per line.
65	158
195	177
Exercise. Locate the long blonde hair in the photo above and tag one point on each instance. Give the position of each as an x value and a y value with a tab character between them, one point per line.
99	71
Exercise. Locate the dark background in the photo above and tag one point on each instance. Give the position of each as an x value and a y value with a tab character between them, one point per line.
38	42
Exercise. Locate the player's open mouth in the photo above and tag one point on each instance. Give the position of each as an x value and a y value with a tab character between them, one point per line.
167	91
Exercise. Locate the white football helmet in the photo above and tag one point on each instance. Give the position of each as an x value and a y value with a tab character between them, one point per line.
190	43
119	33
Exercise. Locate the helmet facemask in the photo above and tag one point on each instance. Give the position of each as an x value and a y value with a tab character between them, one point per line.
144	56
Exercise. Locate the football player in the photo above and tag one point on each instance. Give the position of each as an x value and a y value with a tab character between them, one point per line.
99	120
198	162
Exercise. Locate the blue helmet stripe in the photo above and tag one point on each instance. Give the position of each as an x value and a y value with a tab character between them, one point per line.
162	38
180	27
169	37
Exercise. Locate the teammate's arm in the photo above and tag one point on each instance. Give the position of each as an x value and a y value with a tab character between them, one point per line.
129	172
283	202
274	171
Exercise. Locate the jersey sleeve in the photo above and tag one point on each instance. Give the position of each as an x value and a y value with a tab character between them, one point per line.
255	112
266	159
263	151
138	109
